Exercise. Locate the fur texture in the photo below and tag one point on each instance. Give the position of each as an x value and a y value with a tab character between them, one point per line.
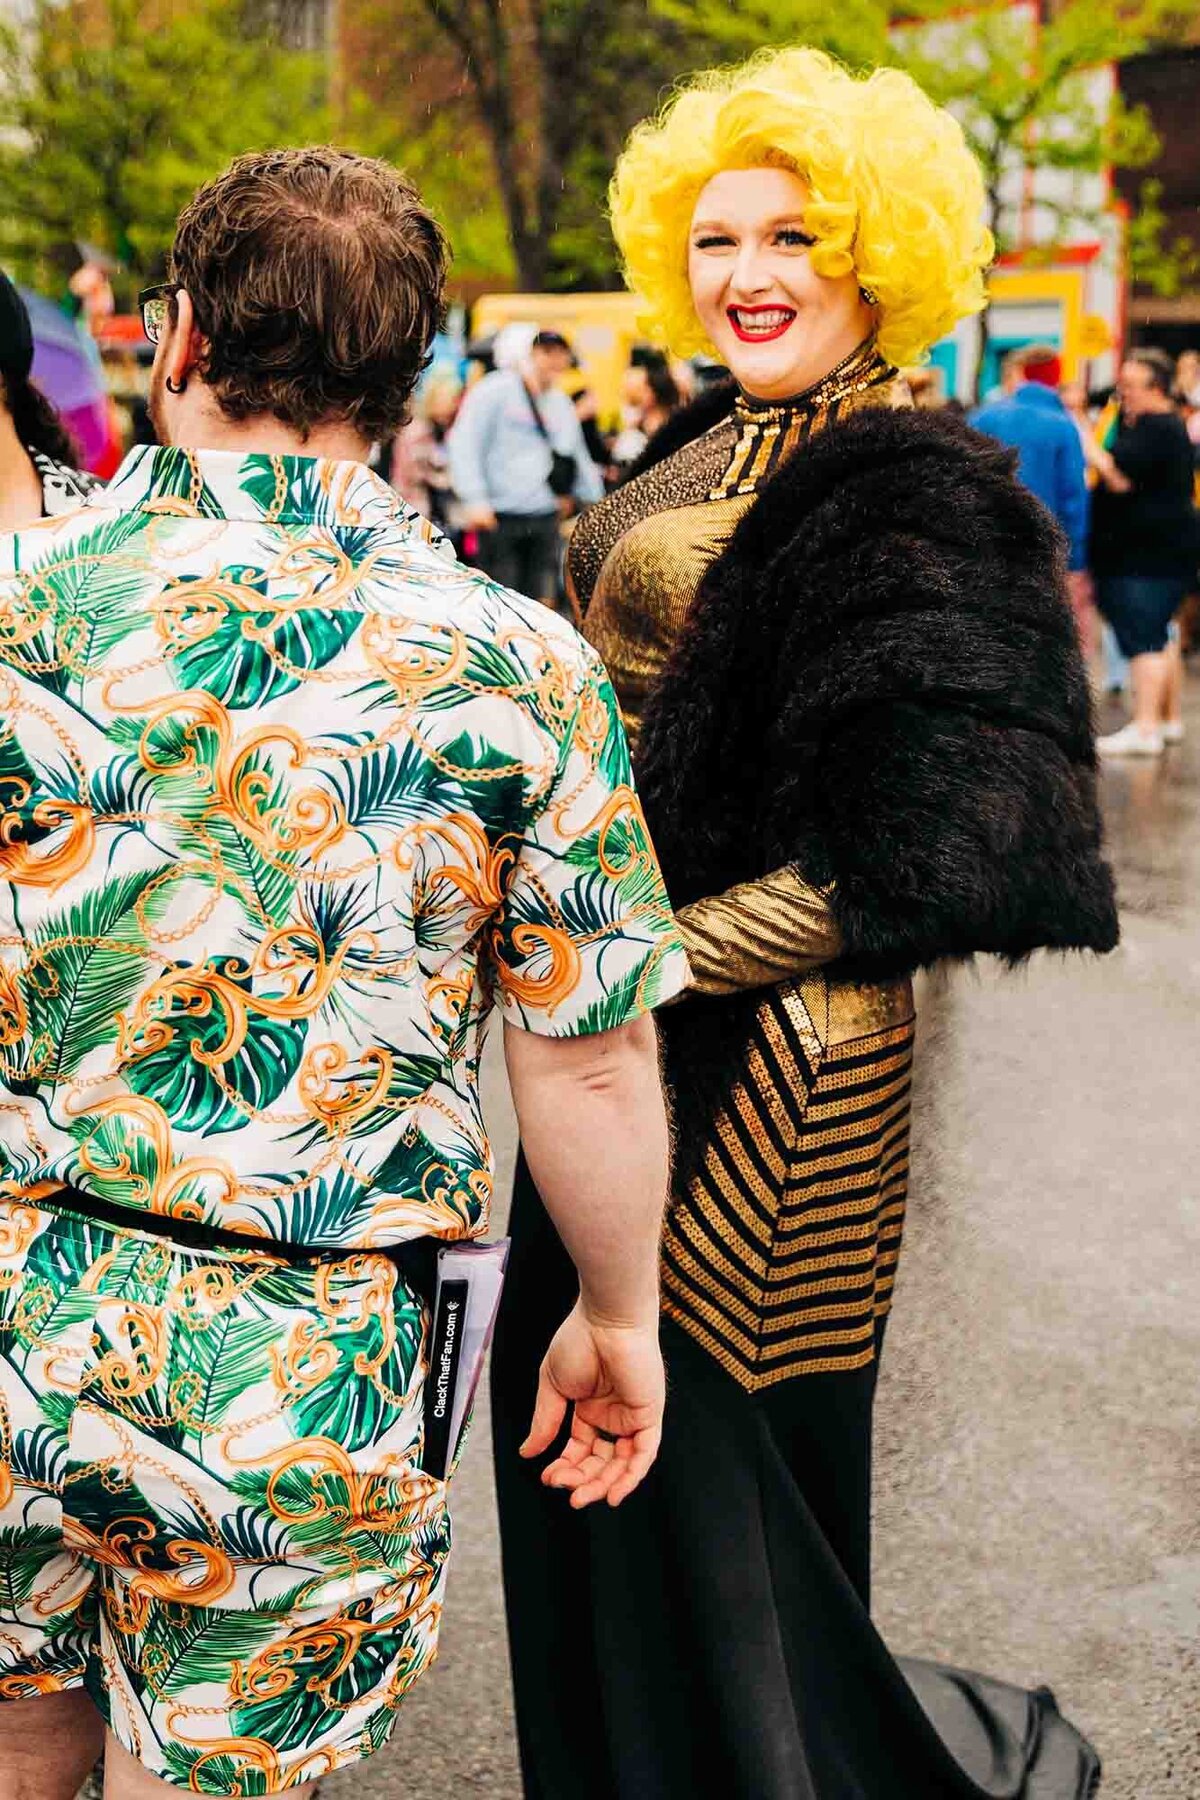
880	681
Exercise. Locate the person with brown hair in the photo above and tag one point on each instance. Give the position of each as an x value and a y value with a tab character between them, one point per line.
290	803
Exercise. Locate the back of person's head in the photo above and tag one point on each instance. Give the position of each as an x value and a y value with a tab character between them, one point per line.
1041	363
318	282
1159	368
34	419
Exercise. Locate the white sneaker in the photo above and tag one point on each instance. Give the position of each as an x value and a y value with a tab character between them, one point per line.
1131	740
1173	731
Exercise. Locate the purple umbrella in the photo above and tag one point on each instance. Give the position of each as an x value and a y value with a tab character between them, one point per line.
66	366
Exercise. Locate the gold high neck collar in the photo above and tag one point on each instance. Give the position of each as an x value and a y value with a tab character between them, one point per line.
863	368
767	434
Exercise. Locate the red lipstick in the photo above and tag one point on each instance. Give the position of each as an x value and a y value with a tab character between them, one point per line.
751	312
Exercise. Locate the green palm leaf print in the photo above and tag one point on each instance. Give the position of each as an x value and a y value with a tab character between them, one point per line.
18	1163
198	1772
25	1551
210	1368
391	787
57	1262
39	1457
264	884
416	1166
626	846
299	1713
612	765
323	1211
352	1408
34	658
256	1537
16	770
177	474
118	790
285	484
100	592
487	667
255	655
494	789
324	1527
188	1647
85	964
200	1096
617	1005
410	1077
595	903
123	1164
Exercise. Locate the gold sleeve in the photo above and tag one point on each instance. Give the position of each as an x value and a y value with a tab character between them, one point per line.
758	933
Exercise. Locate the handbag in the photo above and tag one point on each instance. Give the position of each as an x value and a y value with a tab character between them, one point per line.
563	468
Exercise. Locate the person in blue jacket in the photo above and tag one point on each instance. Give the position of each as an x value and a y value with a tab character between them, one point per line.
1031	418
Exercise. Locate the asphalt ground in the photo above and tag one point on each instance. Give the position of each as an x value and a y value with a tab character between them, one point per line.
1038	1428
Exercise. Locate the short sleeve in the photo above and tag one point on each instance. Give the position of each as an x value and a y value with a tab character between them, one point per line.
586	939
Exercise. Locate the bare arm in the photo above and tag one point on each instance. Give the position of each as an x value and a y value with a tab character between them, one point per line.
594	1129
1106	468
758	933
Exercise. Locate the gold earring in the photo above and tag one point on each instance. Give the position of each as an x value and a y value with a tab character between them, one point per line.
869	296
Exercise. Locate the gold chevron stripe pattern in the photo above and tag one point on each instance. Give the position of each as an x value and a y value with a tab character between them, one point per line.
781	1257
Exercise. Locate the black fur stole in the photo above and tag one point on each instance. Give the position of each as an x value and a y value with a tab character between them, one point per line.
880	681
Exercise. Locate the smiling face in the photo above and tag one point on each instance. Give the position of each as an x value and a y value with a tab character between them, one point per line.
776	324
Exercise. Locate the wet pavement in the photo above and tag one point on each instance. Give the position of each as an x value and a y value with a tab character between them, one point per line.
1038	1436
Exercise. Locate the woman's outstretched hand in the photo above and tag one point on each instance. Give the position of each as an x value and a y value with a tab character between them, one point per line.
612	1375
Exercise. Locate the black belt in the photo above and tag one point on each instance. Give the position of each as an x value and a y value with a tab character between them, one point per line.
416	1258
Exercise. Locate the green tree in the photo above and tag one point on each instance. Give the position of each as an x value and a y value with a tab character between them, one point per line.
548	87
727	31
1025	94
400	96
1167	265
110	120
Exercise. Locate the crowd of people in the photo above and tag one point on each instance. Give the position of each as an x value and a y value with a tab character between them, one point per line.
1118	471
505	460
294	798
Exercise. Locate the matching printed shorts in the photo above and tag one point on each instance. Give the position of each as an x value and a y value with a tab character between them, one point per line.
212	1510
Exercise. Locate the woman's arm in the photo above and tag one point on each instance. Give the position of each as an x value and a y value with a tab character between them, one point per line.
758	933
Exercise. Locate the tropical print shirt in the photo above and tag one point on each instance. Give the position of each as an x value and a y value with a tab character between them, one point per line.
289	799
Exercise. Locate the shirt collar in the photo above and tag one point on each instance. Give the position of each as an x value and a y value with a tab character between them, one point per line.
1036	393
251	486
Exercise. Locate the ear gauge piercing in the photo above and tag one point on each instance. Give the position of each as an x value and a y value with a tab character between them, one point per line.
870	297
176	387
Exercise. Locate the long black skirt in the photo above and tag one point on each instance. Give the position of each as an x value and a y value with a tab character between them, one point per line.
712	1635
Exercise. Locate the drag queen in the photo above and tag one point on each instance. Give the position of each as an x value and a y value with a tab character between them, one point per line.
839	635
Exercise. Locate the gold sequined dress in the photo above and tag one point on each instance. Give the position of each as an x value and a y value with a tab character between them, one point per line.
781	1254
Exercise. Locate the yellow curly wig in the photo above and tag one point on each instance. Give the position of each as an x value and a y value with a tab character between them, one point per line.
895	193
